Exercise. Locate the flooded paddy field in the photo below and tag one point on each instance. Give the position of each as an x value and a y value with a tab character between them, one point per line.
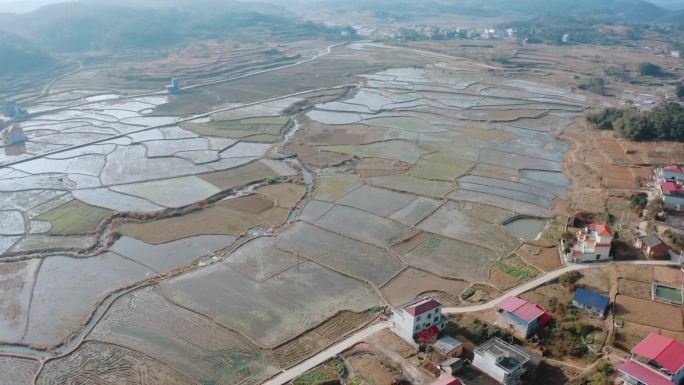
222	248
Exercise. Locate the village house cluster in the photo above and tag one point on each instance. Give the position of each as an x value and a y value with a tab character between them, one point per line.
503	362
657	360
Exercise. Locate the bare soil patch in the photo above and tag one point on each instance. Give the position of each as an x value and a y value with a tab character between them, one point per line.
544	258
650	313
320	337
412	282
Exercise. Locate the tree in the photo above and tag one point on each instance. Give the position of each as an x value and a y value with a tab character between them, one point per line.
639	200
608	218
656	207
603	119
680	91
428	336
570	278
595	85
650	69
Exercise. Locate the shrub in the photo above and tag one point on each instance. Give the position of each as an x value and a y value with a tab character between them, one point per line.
312	377
469	292
601	374
639	200
570	278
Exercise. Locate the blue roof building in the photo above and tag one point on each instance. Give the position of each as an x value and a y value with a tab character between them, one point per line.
594	303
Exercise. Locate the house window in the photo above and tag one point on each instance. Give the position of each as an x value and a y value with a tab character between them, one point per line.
598	256
418	318
429	316
417	327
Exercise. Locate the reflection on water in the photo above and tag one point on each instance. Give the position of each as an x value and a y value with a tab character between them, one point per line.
526	228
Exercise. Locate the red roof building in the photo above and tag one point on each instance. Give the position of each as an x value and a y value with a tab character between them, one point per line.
422	307
602	230
657	360
673	168
593	244
671	188
412	318
521	316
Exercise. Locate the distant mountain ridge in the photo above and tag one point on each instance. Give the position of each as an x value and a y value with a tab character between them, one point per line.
640	11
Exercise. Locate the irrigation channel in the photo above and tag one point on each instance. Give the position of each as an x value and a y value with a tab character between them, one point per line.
75	340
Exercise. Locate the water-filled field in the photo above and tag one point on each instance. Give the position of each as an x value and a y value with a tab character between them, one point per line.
248	238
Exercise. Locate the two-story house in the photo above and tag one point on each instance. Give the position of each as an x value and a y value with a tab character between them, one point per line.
503	362
657	360
672	194
416	316
593	244
671	173
521	317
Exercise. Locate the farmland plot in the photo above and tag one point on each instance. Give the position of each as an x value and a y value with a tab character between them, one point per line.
96	363
60	302
450	221
452	258
273	311
16	283
377	201
205	351
172	255
17	371
366	262
361	225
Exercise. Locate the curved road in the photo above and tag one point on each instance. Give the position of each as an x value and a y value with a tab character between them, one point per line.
360	336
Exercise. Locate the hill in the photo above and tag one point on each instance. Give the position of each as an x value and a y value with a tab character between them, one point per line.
19	55
99	25
639	11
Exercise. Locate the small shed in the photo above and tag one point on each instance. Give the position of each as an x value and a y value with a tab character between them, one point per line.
451	366
593	302
653	247
448	347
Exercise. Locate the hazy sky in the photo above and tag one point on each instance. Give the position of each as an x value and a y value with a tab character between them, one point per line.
27	5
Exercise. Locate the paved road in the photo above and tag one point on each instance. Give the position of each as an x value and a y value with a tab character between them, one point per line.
545	279
298	370
303	367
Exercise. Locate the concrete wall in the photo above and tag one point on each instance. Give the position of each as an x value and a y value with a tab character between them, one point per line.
505	322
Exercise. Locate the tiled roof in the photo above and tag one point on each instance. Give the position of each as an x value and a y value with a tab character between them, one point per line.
644	374
524	310
666	351
651	241
602	230
511	304
671	187
422	306
673	168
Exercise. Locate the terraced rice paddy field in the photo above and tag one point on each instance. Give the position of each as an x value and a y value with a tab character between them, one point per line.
221	248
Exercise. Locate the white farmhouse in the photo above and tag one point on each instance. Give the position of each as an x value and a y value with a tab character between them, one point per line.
593	245
416	316
503	362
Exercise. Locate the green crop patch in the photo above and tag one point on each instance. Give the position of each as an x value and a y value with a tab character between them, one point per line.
75	217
